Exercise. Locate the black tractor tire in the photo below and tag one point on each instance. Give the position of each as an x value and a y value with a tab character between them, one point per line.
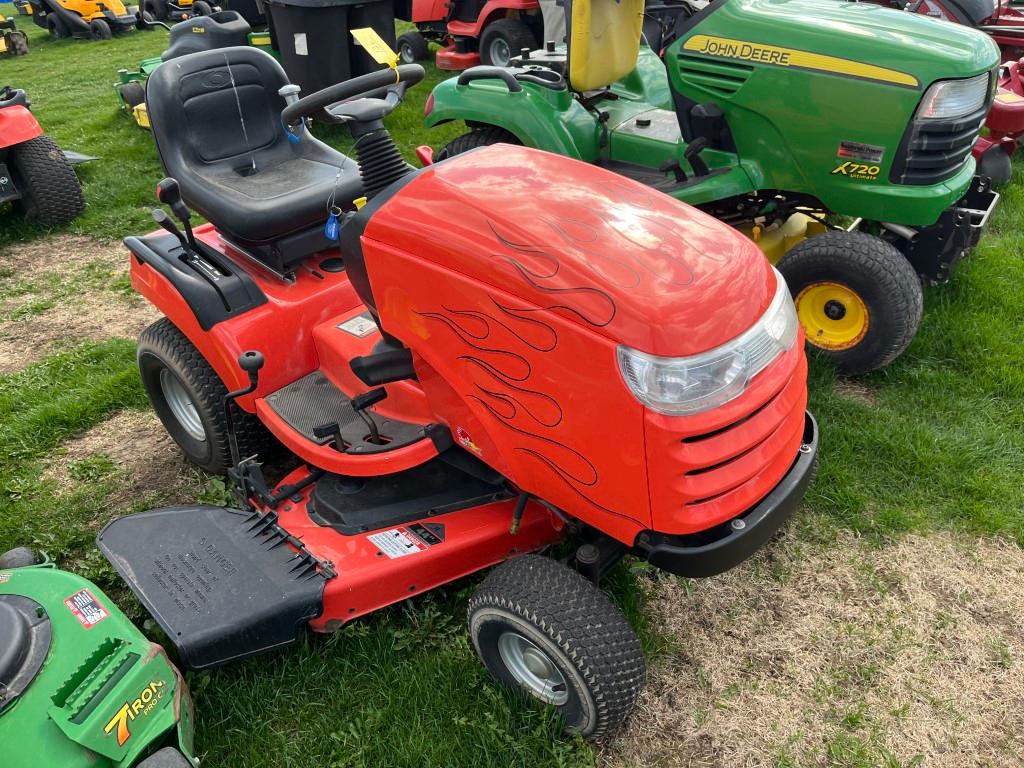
201	8
99	29
997	165
132	94
157	9
566	634
413	47
17	43
478	137
502	40
19	557
50	190
877	275
57	27
167	359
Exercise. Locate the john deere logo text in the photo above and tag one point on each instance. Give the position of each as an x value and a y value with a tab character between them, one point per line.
140	707
857	171
744	50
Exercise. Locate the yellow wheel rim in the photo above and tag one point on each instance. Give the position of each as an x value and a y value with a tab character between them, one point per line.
834	317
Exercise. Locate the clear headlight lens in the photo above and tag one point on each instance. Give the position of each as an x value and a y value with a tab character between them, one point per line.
688	385
954	98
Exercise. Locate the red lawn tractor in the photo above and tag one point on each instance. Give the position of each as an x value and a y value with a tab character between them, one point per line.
35	175
1003	19
508	358
470	32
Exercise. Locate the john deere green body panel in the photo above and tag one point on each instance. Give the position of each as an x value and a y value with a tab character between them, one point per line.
104	696
796	80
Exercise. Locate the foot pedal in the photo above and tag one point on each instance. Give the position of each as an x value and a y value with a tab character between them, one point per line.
313	401
222	583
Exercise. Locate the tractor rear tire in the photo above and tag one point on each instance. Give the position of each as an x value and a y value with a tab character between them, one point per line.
858	298
17	43
157	9
201	8
132	94
50	190
997	165
413	47
187	395
99	29
19	557
57	27
502	40
541	627
478	137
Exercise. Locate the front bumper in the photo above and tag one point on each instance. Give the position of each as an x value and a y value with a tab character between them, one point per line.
712	552
936	249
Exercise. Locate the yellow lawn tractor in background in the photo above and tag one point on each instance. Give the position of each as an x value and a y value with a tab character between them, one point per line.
12	42
88	19
176	10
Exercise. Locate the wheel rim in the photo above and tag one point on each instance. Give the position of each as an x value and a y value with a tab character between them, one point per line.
833	316
533	668
181	405
405	49
500	52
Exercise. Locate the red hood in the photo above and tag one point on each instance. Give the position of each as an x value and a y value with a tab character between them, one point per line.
636	266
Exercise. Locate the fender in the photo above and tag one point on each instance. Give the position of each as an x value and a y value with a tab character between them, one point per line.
17	125
539	117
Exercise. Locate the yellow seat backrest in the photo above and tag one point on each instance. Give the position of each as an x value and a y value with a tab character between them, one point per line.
603	40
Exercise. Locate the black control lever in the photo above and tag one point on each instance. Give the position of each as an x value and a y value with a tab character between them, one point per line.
361	402
251	362
692	155
677	170
168	192
161	218
333	431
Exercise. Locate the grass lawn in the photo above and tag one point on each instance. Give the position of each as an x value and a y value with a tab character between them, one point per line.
932	445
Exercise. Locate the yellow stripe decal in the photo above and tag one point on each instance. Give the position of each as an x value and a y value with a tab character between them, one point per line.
790	57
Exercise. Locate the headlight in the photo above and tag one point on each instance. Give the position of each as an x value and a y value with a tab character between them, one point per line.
688	385
954	98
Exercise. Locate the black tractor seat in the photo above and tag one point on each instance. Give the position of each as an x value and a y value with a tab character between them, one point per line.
216	118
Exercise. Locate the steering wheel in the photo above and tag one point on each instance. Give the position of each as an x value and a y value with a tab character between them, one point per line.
357	100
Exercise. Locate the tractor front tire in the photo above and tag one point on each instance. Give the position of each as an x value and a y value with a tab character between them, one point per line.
413	47
857	297
478	137
997	165
99	29
541	627
56	26
157	9
201	8
187	395
50	190
502	41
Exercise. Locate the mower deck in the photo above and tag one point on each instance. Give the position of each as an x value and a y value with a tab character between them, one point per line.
226	584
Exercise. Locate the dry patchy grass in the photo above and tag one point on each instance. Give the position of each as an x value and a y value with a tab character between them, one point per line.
840	655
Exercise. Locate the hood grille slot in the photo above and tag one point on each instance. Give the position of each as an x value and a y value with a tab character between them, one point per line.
720	76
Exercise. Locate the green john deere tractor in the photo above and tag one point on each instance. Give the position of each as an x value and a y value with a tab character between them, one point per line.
80	687
838	135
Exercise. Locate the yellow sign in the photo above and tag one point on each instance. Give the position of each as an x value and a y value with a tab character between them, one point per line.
790	57
375	46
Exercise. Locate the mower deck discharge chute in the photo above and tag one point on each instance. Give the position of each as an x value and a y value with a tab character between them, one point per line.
773	116
502	354
80	687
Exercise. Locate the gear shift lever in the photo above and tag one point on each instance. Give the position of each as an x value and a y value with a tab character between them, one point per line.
169	193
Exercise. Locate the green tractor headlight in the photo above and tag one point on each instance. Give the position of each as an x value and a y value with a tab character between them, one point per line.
954	98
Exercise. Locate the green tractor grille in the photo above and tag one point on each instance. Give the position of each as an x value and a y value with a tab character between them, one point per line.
935	150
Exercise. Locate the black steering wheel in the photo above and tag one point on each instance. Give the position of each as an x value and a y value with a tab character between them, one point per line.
358	100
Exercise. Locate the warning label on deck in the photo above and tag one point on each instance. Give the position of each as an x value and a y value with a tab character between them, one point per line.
397	542
360	325
87	608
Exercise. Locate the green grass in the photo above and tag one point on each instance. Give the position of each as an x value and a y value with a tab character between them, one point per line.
70	84
939	444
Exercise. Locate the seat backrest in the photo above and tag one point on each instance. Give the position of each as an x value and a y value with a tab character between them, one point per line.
217	109
603	37
204	33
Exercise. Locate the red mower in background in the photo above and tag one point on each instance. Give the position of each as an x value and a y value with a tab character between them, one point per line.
470	32
35	175
1004	21
503	354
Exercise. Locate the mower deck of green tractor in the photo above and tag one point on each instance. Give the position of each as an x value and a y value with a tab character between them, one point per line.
222	583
